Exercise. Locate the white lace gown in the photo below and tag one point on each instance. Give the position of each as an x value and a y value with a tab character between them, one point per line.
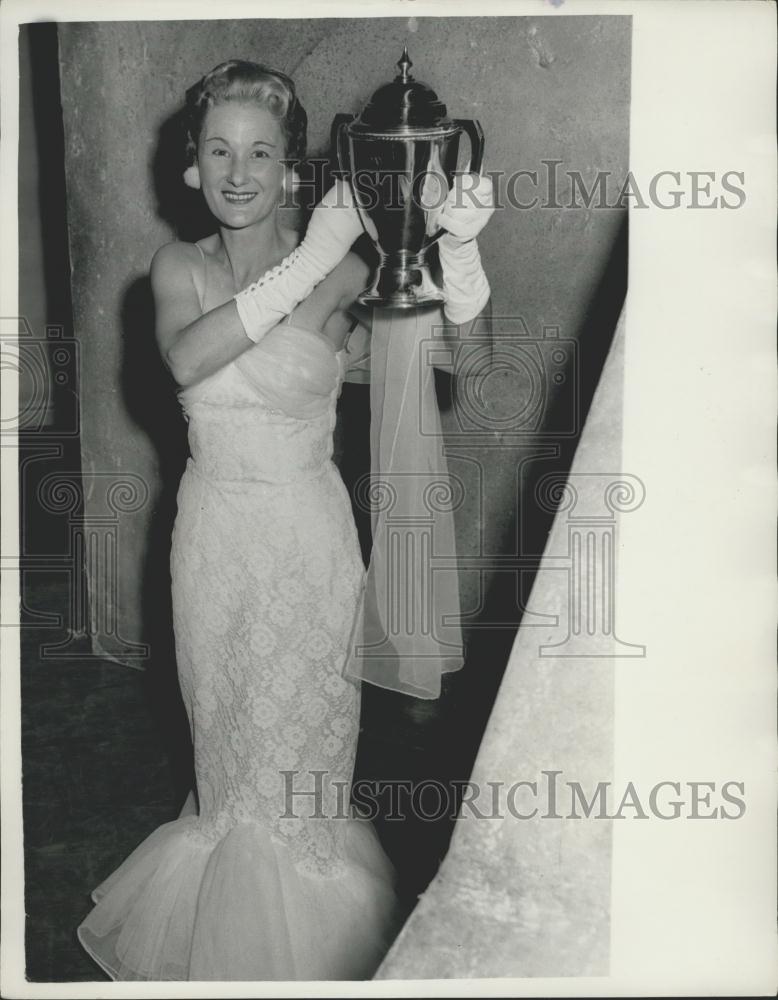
256	884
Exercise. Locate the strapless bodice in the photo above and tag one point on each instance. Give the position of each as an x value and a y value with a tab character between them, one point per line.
268	416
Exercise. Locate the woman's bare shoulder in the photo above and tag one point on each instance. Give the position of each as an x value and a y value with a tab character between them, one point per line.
174	256
175	263
174	272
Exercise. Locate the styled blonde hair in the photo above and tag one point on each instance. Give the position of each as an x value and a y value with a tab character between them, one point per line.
238	80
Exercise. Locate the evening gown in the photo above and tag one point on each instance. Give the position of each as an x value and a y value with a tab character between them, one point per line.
257	880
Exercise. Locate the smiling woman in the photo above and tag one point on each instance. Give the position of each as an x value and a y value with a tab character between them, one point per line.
267	576
245	130
266	573
242	170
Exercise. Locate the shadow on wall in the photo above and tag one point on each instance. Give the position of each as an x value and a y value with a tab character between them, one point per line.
150	397
44	272
182	208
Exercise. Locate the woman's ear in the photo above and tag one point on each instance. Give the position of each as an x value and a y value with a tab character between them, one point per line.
192	177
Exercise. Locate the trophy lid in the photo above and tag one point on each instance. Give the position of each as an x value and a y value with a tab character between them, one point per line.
403	107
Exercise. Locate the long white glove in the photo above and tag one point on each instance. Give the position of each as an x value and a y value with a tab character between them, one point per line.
467	209
333	228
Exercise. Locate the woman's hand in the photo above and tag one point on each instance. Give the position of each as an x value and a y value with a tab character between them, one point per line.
467	208
336	217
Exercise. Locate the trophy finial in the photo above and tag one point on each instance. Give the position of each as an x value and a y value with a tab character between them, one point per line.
405	64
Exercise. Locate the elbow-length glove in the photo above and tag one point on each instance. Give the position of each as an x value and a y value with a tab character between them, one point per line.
467	209
333	228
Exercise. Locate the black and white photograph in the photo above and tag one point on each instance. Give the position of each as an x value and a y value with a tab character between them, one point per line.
388	498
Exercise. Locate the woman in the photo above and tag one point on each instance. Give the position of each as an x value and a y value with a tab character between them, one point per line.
265	878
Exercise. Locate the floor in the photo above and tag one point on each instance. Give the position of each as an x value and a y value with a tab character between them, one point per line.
96	781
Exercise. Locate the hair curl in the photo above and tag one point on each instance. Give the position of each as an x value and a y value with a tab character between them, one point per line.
238	80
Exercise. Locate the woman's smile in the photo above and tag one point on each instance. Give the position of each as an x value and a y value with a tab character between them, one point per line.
239	159
239	198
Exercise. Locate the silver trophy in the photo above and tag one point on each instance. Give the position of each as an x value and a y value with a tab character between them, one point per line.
400	155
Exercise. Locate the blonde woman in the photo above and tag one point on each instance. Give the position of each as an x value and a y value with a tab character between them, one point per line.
265	876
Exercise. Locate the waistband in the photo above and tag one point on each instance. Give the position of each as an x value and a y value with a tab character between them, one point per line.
240	485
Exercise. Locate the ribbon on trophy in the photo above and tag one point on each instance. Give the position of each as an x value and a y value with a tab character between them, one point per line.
400	155
407	631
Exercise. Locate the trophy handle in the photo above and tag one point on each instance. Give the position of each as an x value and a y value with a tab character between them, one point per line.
339	141
476	135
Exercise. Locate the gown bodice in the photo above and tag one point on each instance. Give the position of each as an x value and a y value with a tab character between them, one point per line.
267	416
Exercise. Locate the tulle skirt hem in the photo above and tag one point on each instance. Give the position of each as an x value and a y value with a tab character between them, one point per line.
186	907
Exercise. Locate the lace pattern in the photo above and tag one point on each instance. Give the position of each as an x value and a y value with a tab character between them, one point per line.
259	880
266	577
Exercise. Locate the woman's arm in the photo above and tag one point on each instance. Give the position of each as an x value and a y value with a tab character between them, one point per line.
358	352
192	344
356	320
195	346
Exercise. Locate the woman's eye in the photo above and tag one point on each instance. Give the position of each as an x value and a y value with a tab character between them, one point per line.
219	152
260	154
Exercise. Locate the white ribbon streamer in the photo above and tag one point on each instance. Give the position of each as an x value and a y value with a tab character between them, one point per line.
407	631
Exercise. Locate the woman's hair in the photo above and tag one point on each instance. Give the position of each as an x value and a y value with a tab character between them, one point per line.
238	80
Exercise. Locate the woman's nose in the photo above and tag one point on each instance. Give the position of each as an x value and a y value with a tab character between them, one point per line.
238	171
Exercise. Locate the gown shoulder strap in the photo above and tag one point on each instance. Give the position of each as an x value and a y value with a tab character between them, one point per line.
201	279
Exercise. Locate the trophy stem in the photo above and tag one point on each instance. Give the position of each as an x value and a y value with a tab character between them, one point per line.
402	281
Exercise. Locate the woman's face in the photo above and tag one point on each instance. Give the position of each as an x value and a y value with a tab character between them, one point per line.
239	153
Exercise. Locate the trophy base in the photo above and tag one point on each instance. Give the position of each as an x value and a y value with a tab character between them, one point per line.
401	286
